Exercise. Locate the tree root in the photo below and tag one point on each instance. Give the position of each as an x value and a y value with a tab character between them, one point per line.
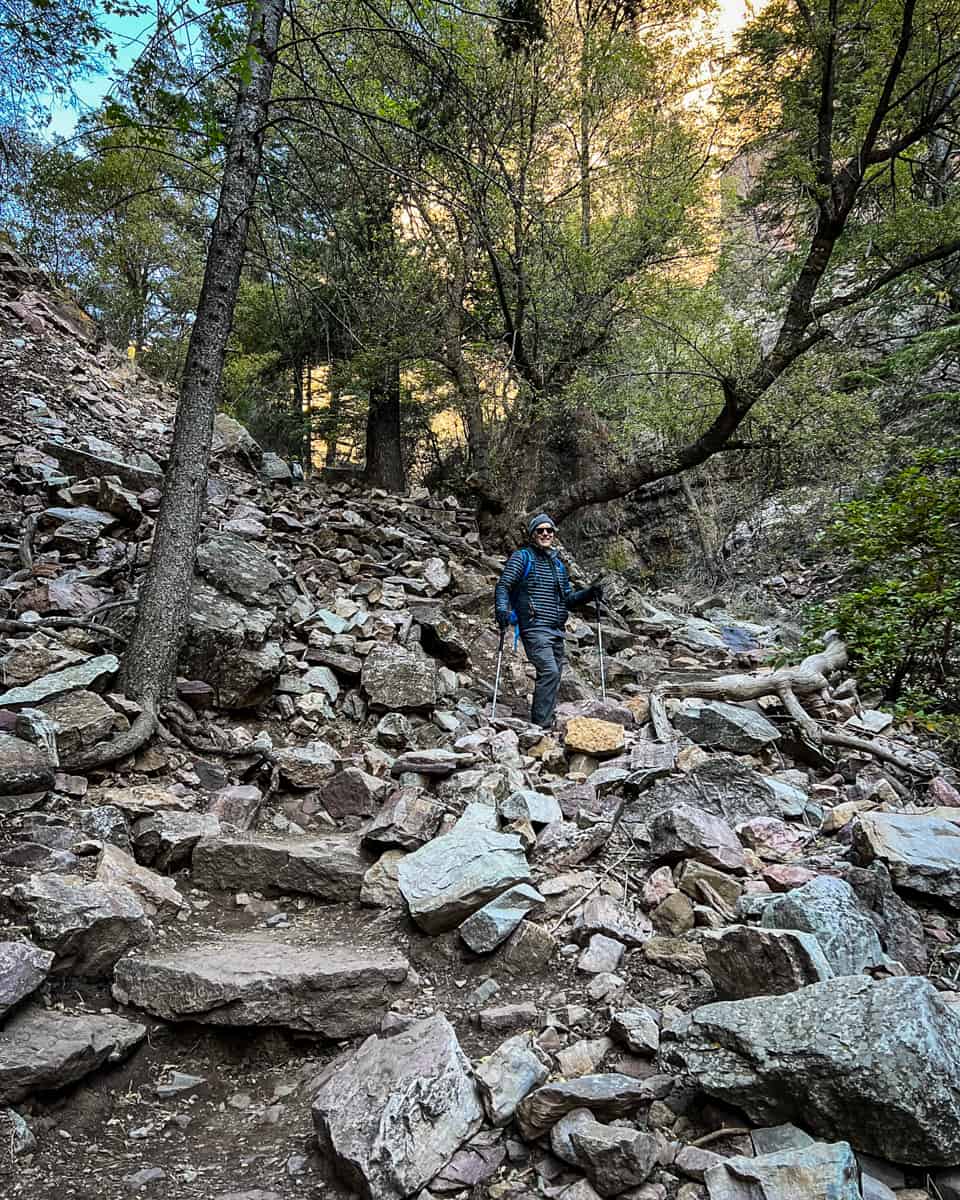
808	678
140	732
191	735
60	623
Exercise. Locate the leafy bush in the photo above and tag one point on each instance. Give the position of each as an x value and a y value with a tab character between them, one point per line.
901	621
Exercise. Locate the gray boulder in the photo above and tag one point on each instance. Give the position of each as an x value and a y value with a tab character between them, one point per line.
352	792
41	1050
408	819
745	961
24	768
828	909
80	675
158	894
233	565
614	1158
485	929
726	726
451	877
921	852
875	1063
722	785
817	1172
250	979
226	646
685	831
396	678
79	719
166	839
606	1095
88	926
391	1115
23	967
899	926
512	1071
526	805
331	868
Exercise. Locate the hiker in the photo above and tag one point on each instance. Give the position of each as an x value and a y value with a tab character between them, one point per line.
536	587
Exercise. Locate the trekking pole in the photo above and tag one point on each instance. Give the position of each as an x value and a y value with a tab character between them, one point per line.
496	683
603	681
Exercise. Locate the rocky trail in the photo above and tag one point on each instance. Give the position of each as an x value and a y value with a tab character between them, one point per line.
341	930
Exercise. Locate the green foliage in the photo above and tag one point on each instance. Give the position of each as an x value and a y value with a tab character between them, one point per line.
901	620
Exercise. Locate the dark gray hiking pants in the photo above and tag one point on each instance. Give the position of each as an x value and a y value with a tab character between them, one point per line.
544	649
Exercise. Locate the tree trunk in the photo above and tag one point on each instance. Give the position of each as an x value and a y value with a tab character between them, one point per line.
384	467
151	656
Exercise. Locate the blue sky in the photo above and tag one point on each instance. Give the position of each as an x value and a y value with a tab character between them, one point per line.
130	35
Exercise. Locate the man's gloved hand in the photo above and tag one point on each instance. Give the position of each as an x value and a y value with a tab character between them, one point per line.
596	590
503	620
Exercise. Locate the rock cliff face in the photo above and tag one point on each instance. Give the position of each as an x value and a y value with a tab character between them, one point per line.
342	926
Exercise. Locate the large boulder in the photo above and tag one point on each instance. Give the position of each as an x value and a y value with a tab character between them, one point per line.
331	868
828	909
746	961
41	1050
725	726
921	852
166	838
233	565
70	679
24	769
88	926
685	831
875	1063
23	967
452	876
251	979
513	1070
817	1172
391	1115
79	719
396	678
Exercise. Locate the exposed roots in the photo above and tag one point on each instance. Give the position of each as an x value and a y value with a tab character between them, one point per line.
104	631
808	678
140	732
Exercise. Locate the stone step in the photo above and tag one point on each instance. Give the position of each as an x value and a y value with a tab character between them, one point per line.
251	978
330	868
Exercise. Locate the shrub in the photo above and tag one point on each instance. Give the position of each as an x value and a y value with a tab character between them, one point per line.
901	620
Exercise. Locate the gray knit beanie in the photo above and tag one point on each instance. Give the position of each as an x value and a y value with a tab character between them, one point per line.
540	519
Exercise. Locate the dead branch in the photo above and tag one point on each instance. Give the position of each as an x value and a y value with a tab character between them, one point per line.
8	626
806	678
26	542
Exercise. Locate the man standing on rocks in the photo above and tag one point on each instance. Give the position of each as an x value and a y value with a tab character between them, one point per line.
536	587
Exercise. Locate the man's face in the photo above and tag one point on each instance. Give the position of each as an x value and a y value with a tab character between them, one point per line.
543	535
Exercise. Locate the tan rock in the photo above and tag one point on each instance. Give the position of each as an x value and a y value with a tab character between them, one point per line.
586	735
157	894
640	707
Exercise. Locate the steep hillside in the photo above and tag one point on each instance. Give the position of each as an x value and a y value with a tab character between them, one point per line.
343	929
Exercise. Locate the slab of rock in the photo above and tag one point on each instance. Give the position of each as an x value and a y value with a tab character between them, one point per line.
746	961
614	1158
23	967
42	1050
390	1116
875	1063
237	805
438	763
508	1016
409	818
167	839
586	735
921	852
816	1171
331	868
79	719
231	564
526	805
381	886
606	1095
688	832
353	793
158	894
512	1071
88	926
772	839
725	726
396	678
485	929
698	881
828	909
638	1029
603	914
24	768
601	954
106	823
144	799
307	766
899	926
451	877
80	675
528	950
87	465
250	979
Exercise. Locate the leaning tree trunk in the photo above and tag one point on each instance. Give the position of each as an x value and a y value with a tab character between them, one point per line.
384	448
150	660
